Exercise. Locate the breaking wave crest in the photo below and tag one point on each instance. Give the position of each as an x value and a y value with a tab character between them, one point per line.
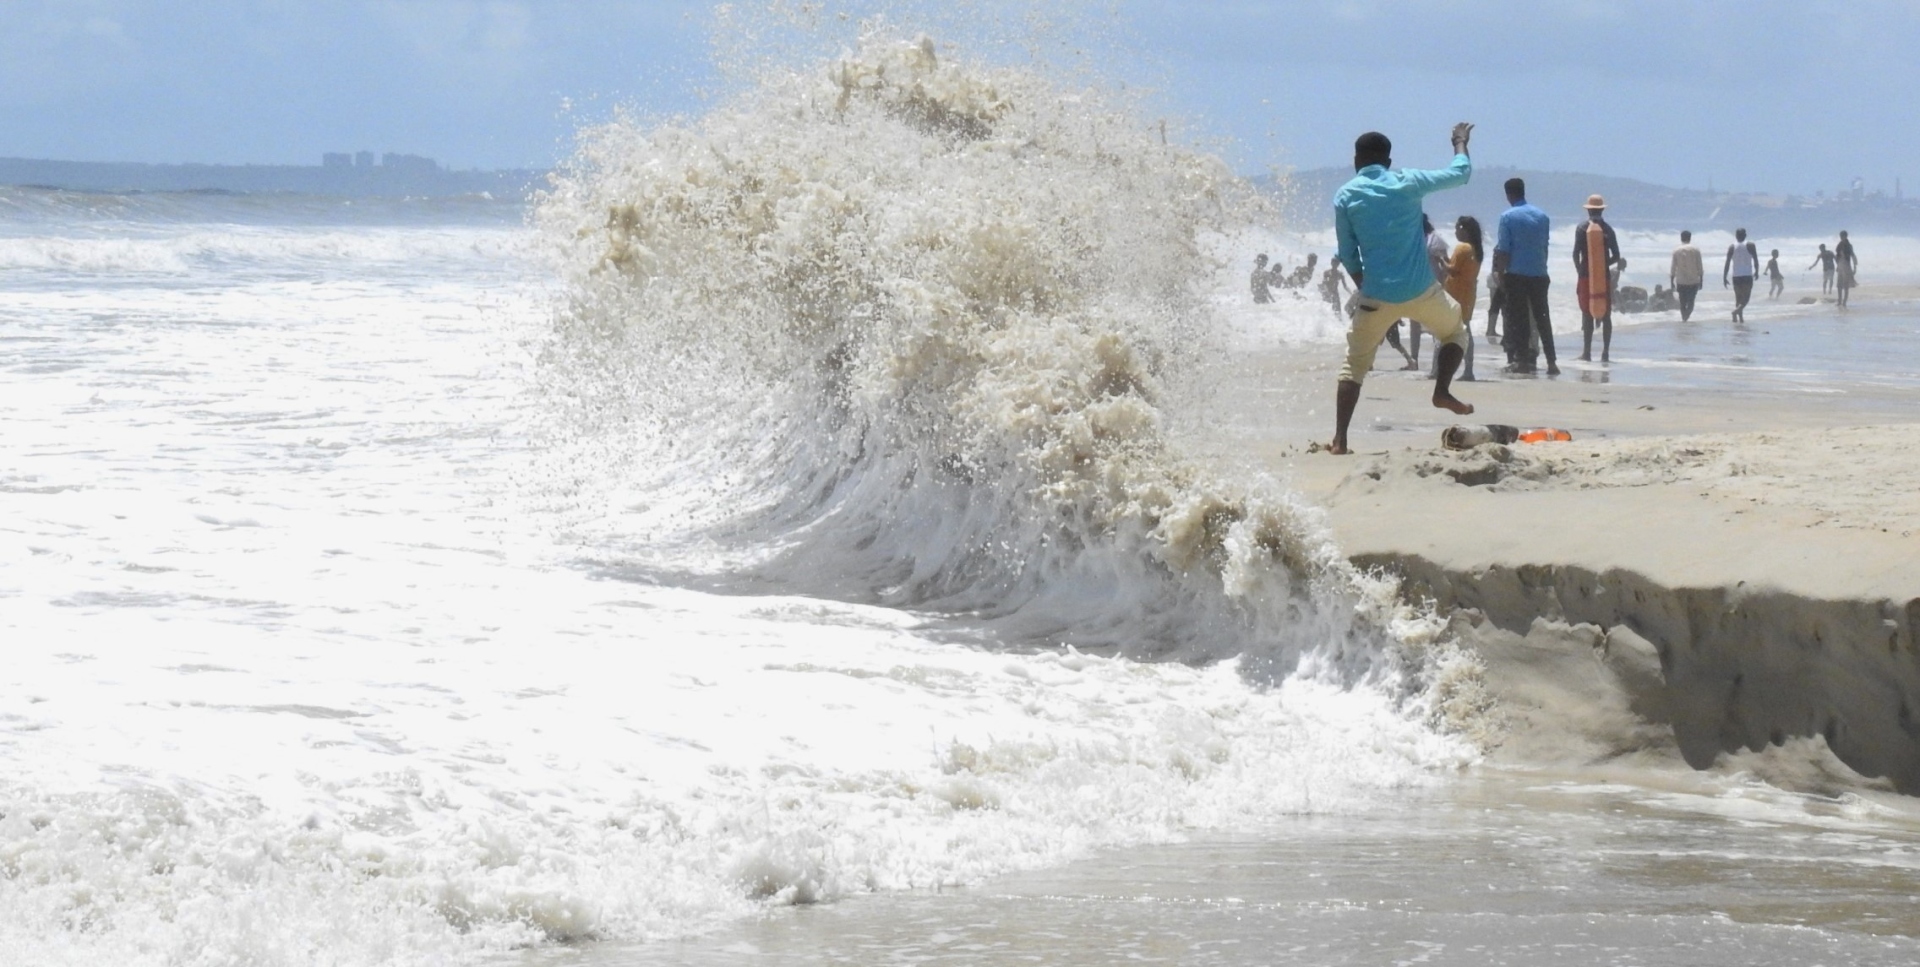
908	331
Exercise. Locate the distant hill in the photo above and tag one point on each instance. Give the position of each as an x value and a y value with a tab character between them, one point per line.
1307	203
417	177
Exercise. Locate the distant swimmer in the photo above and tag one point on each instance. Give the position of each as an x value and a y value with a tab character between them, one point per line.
1779	282
1300	276
1259	280
1333	286
1596	260
1686	274
1520	256
1846	265
1743	262
1825	261
1376	218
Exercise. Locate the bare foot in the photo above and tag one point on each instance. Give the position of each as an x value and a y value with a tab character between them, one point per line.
1447	402
1553	370
1337	448
1410	366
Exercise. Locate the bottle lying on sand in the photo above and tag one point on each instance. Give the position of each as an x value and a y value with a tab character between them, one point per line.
1468	437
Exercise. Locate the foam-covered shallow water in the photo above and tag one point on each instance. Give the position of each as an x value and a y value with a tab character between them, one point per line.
1499	869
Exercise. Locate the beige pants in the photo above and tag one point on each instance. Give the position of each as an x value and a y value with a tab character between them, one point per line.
1371	319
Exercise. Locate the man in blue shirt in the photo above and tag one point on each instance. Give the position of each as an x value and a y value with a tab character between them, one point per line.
1377	218
1520	260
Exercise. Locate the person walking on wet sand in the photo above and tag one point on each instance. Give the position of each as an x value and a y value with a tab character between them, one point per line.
1743	262
1686	274
1776	283
1376	217
1520	259
1825	261
1845	264
1595	290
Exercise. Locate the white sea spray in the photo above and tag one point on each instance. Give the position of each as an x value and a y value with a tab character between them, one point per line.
924	318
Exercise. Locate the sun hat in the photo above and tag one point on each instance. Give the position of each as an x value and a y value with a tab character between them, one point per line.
1595	201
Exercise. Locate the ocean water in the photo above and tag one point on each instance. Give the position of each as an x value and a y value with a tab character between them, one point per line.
771	545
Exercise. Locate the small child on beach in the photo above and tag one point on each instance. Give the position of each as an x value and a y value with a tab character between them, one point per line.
1773	272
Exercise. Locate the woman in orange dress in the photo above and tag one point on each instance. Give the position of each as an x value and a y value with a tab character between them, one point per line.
1463	277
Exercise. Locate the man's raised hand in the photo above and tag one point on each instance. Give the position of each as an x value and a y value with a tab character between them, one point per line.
1461	133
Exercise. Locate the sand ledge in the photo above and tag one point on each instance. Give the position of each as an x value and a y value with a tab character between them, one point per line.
1725	669
1738	592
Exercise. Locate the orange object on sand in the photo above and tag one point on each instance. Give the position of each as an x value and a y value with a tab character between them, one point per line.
1594	288
1545	434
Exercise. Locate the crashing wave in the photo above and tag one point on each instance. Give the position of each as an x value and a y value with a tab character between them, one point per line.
909	329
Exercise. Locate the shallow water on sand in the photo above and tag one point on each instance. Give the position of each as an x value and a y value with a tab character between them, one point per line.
1817	350
1499	869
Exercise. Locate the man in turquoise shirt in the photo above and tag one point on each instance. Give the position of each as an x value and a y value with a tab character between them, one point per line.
1377	218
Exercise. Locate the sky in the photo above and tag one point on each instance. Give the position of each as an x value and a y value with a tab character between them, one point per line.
1797	97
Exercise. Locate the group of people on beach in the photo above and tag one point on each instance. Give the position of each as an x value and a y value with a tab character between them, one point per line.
1837	268
1741	270
1402	270
1267	278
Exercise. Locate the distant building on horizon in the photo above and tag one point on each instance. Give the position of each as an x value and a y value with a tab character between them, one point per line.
412	164
409	163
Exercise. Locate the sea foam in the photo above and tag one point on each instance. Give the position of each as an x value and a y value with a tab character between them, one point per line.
906	330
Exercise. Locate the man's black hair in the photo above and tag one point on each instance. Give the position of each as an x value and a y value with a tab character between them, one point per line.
1516	188
1686	236
1371	148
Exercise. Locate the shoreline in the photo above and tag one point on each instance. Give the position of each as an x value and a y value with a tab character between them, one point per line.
1702	574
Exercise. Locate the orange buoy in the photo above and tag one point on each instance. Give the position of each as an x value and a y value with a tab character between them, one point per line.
1545	434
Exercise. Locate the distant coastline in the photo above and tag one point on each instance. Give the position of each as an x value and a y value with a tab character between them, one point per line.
1304	197
1306	202
402	176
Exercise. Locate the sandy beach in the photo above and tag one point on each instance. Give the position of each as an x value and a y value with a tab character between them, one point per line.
1712	568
